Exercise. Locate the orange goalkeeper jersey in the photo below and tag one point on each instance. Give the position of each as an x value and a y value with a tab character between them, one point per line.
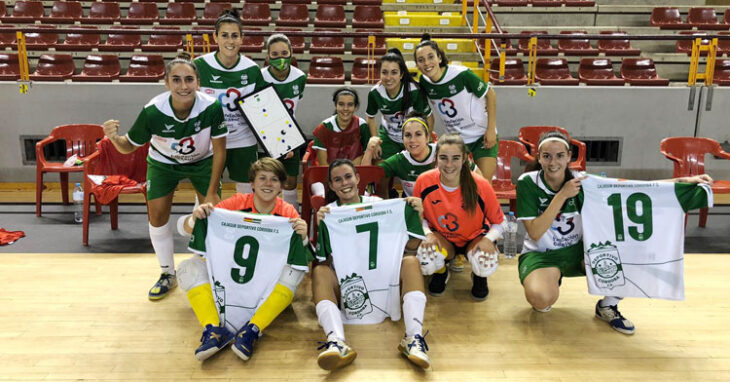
244	203
445	213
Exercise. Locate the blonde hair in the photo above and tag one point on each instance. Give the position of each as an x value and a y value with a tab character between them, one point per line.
267	164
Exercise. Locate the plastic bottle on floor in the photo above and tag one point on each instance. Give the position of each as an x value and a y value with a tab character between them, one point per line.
78	198
510	236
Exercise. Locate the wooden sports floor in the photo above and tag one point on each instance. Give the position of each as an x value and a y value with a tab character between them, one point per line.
87	317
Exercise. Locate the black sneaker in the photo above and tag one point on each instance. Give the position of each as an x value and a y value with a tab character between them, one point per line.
479	288
437	286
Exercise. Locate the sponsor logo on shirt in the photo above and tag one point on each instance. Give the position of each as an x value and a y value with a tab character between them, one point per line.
435	202
209	91
169	128
446	107
215	79
197	126
244	79
295	89
449	221
543	202
184	147
452	89
228	99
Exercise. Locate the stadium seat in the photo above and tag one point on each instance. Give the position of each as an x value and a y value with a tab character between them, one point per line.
8	39
294	15
512	3
576	47
3	10
116	42
667	18
530	135
509	49
553	71
179	14
212	11
617	47
359	73
579	3
723	46
722	72
360	44
41	41
54	67
64	12
704	18
544	48
145	68
685	46
502	182
142	14
99	68
80	141
252	43
199	41
297	42
326	70
547	3
642	72
598	71
26	12
321	44
80	41
688	155
256	14
367	16
726	17
330	16
106	160
9	67
514	72
164	42
103	13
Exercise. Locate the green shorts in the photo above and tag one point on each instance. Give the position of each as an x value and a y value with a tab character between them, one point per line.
239	161
162	178
567	259
291	165
389	146
478	151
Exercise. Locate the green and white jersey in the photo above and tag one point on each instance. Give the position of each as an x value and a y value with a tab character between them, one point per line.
633	234
245	254
533	198
228	85
291	89
175	141
390	108
459	98
366	242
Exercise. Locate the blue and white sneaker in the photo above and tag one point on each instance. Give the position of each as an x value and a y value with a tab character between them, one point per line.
162	287
245	338
335	355
614	318
415	348
214	338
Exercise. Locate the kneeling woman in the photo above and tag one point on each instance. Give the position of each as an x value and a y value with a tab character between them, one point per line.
343	180
267	176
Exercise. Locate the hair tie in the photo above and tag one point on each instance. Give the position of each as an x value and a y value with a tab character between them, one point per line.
414	119
554	139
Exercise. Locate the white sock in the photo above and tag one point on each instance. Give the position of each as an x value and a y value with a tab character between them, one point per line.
330	319
317	189
244	188
414	303
609	301
291	197
162	242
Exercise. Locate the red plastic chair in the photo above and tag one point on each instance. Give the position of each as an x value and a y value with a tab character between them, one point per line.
122	42
99	68
80	140
502	184
103	13
667	18
212	11
577	46
297	42
326	70
8	39
685	46
54	67
530	135
9	67
179	14
598	71
164	42
329	45
41	41
704	18
554	71
332	16
108	161
26	12
514	72
75	42
617	47
722	72
64	12
508	49
256	14
144	68
688	155
359	74
360	44
368	174
142	14
293	15
367	16
642	72
544	47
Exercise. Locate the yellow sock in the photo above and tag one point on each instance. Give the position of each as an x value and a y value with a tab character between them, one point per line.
442	270
277	301
201	300
445	254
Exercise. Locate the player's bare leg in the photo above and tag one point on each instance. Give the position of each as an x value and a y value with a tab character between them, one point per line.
542	288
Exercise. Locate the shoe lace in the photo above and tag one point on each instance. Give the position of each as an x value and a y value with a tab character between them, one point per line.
206	332
166	279
420	342
612	312
327	344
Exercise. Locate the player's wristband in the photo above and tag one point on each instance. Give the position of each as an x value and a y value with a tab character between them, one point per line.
493	234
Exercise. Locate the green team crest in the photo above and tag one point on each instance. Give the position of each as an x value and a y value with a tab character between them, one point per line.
355	298
606	265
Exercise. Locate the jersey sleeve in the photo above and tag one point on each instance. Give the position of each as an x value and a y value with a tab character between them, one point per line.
390	165
527	199
260	81
413	223
324	248
302	81
474	84
372	104
140	133
318	134
420	103
364	135
299	256
197	240
693	196
492	210
218	128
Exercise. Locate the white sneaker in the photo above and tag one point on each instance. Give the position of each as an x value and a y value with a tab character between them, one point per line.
336	354
614	318
415	348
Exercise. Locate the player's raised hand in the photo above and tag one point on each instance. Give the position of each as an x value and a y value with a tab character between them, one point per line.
203	211
431	241
320	213
416	203
374	147
701	179
299	226
483	264
111	128
571	188
485	245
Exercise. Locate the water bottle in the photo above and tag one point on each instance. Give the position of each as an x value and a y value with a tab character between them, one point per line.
78	197
510	236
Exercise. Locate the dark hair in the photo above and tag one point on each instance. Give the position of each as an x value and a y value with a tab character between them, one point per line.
426	41
394	55
267	164
468	186
422	118
229	16
277	37
535	165
181	58
331	196
348	91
